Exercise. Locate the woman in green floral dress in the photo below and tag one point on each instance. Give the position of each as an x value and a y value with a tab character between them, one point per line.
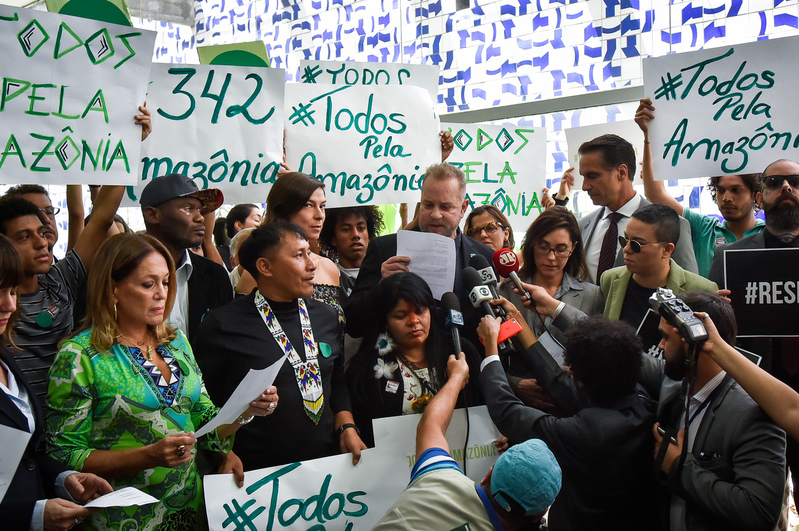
126	394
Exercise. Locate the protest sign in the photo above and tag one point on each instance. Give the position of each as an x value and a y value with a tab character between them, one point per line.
576	136
724	110
352	73
330	493
764	290
369	144
220	125
71	87
504	167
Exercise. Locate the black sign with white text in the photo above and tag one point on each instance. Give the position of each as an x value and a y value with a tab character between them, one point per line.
764	285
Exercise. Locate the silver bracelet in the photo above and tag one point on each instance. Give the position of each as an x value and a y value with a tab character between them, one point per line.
558	310
242	421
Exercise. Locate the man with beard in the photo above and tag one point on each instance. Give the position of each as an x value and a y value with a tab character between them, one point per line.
722	462
779	199
733	194
173	209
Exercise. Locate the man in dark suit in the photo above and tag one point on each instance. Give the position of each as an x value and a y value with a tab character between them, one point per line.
607	164
173	209
726	469
443	206
779	199
603	442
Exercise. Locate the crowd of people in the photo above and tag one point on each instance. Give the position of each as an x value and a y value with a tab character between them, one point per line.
113	356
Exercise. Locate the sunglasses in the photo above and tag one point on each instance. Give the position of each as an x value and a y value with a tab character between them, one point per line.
636	246
491	227
775	181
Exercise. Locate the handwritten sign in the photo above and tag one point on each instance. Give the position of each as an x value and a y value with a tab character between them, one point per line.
70	89
576	136
723	111
504	167
220	125
330	493
352	73
765	299
369	145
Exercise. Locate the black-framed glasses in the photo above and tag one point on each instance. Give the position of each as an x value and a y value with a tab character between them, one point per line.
491	227
636	246
544	249
775	181
50	212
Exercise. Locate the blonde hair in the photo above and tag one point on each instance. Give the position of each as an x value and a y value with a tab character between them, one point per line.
119	257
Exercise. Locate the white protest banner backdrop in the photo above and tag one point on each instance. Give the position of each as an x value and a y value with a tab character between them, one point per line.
220	125
723	111
71	87
354	73
369	145
504	167
576	136
330	493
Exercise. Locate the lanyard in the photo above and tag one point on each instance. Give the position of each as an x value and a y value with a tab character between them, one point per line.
307	373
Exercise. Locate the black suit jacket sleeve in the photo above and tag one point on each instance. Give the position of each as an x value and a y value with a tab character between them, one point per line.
555	381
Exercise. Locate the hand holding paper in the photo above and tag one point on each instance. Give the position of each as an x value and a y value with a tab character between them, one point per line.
125	497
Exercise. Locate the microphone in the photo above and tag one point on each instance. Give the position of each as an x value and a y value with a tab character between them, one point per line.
480	263
480	296
507	263
453	319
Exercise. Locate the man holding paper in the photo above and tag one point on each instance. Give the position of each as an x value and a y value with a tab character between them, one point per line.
443	206
279	319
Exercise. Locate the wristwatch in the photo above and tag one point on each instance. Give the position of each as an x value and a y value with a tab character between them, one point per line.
343	427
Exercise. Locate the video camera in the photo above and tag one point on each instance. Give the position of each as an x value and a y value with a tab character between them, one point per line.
679	315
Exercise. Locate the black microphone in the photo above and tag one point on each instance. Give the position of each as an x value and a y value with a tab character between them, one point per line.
453	319
480	263
479	295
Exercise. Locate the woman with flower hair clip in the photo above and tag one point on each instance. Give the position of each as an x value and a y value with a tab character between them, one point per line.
402	362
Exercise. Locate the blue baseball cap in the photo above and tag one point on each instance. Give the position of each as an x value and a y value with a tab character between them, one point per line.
527	476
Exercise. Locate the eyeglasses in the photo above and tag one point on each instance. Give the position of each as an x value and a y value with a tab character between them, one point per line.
491	227
560	252
775	181
636	246
50	212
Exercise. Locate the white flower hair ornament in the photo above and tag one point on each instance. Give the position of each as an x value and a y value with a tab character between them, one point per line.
385	344
384	368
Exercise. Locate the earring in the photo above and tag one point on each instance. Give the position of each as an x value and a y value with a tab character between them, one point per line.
115	311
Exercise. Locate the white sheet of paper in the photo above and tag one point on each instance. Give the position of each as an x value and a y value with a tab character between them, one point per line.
432	258
248	390
14	441
125	497
554	347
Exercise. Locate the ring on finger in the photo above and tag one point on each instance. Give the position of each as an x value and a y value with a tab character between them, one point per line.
181	450
271	406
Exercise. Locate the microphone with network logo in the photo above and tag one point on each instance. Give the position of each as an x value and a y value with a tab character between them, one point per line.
507	263
453	319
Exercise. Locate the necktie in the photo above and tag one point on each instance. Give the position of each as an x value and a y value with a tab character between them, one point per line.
607	254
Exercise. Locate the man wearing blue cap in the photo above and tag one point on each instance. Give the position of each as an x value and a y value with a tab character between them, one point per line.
516	492
173	209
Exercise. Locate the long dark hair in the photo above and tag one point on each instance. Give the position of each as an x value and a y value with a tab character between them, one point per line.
10	276
413	289
553	219
288	195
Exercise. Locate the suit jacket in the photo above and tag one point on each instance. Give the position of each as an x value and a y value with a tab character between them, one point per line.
36	473
209	288
605	453
358	308
615	281
683	252
734	477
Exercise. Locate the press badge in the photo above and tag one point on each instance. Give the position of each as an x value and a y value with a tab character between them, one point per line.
392	386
